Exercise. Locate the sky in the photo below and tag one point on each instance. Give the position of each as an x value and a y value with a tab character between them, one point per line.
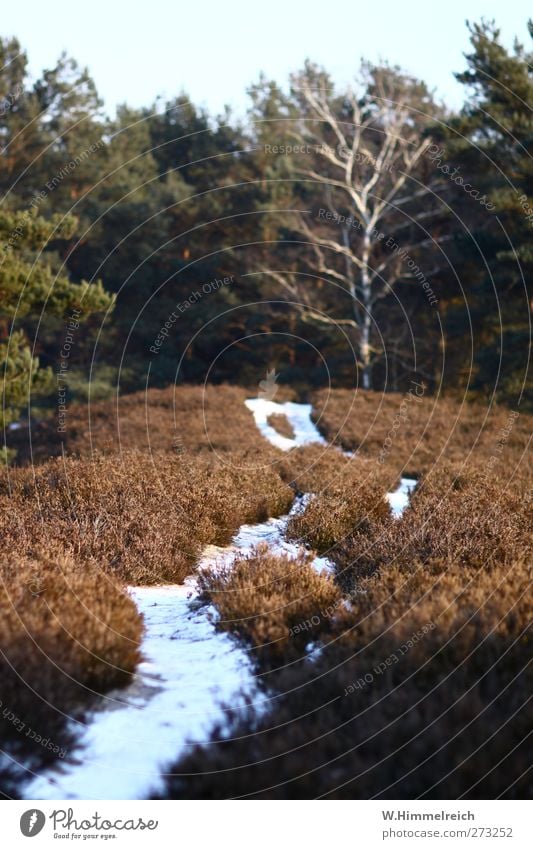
214	49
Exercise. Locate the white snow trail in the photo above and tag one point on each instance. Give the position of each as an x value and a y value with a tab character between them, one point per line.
188	670
305	433
299	415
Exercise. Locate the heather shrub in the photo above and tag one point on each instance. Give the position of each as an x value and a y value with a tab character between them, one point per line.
184	419
315	468
459	519
342	510
146	518
422	689
409	434
281	424
275	604
67	634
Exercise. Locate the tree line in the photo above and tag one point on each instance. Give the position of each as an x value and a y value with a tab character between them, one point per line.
359	235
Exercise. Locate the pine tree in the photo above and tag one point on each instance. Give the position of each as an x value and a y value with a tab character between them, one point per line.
29	287
491	143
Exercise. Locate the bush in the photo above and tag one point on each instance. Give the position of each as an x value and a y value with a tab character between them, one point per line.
144	518
330	517
460	519
422	689
275	604
67	634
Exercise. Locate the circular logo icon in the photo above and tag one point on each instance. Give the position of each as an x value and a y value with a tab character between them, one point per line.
32	822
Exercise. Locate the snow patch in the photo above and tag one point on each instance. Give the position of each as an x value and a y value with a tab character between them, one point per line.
188	670
299	415
399	499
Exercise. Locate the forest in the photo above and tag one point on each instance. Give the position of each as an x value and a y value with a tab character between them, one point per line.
371	229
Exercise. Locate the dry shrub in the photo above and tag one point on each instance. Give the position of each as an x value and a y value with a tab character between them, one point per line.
426	431
475	612
450	715
144	517
66	634
187	419
281	424
315	468
330	517
374	716
271	602
460	519
191	419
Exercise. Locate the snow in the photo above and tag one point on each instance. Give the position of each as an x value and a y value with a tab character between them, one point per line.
399	499
189	670
299	415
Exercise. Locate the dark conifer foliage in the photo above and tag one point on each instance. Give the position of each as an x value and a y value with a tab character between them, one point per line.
208	229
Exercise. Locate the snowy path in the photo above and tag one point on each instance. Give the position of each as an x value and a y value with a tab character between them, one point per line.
188	670
305	433
299	415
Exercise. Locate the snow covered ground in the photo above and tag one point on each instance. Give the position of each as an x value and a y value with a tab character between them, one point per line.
399	499
175	696
299	415
189	669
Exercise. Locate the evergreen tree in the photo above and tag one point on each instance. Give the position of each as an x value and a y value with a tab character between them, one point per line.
490	143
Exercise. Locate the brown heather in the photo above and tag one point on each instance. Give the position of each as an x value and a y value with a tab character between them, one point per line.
179	468
144	518
67	634
429	431
464	520
332	516
448	716
320	469
281	424
265	600
185	419
137	515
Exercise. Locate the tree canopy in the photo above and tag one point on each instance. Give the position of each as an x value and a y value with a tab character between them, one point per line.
365	227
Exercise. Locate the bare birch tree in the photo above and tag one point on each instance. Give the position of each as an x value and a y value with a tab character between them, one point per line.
362	157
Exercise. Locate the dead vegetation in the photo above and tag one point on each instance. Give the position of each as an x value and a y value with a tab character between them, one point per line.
462	519
144	519
68	633
128	513
281	424
331	517
150	485
422	686
411	434
422	689
271	602
184	419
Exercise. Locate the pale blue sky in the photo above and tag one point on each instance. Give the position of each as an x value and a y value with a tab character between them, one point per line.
215	48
